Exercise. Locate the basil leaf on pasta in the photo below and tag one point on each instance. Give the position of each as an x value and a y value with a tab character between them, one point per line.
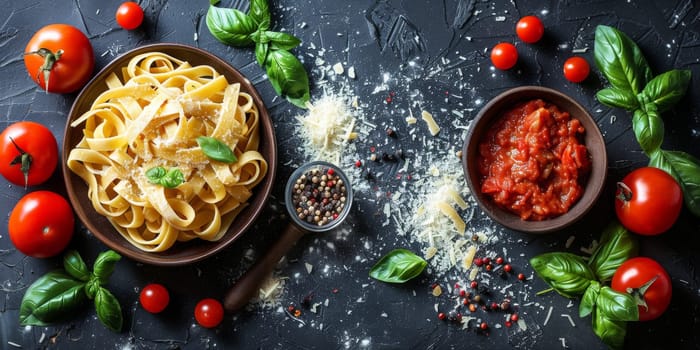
166	178
216	149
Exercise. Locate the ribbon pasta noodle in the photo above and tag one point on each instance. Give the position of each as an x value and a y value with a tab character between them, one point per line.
151	118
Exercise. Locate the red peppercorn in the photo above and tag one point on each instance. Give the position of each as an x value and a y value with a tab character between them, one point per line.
335	216
508	324
489	267
458	318
442	316
521	276
290	308
514	317
358	163
462	293
473	284
487	261
457	286
507	268
465	301
330	171
478	262
499	260
484	326
494	306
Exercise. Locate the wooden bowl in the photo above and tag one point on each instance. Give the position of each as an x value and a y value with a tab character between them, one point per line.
182	252
592	138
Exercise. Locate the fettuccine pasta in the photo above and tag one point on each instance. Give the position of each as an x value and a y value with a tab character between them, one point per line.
151	118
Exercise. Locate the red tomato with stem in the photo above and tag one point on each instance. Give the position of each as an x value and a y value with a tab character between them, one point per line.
41	224
648	282
28	153
504	56
59	58
129	15
648	201
529	29
154	298
209	313
576	69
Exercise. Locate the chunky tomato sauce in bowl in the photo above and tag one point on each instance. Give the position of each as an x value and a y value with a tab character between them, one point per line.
535	160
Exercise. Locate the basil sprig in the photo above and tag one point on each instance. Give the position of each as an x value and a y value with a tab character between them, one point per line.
635	89
216	150
399	266
236	28
571	276
58	294
167	178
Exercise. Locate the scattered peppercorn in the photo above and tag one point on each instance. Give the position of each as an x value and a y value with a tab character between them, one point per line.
487	260
390	132
505	305
507	268
499	260
484	326
297	313
514	317
489	267
473	284
475	238
462	293
477	298
358	163
442	316
472	307
465	301
494	306
479	262
508	324
521	276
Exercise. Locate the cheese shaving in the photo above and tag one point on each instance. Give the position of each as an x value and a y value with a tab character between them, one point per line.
327	128
432	125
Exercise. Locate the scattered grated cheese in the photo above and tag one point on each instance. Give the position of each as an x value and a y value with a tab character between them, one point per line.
411	120
437	291
327	128
309	267
522	324
549	314
430	253
338	68
563	343
469	257
569	241
568	317
432	125
351	72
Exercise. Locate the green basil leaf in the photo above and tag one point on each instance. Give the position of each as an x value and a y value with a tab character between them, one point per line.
104	265
75	266
214	2
52	297
261	50
216	149
566	273
288	77
617	98
612	333
616	246
617	306
166	178
282	41
108	310
588	301
230	26
399	266
620	60
686	169
666	89
91	287
260	12
648	127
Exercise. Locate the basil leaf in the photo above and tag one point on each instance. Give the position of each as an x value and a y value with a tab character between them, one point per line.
104	265
620	60
50	298
648	127
399	266
686	169
617	306
166	178
260	12
666	89
214	2
566	273
288	77
282	41
108	310
612	333
230	26
91	287
588	301
616	246
261	50
216	149
617	98
75	266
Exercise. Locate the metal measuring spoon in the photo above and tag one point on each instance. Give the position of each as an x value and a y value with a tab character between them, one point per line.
248	285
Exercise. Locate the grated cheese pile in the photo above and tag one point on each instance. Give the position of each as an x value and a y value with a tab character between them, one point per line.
327	128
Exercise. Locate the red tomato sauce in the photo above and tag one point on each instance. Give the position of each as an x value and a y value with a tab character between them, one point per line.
532	161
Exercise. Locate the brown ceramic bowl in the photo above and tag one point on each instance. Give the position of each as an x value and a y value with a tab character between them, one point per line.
182	252
592	139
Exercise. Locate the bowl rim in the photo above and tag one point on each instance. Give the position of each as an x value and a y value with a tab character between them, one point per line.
595	180
262	190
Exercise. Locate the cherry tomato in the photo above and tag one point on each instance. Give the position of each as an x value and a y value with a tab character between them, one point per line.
129	15
504	56
648	201
59	58
576	69
154	298
28	153
529	29
209	313
648	282
41	224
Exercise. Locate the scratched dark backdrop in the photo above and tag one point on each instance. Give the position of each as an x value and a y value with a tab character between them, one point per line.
447	43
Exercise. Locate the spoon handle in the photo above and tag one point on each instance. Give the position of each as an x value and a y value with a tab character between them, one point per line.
249	284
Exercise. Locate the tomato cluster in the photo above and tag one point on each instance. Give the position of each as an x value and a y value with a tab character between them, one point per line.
530	29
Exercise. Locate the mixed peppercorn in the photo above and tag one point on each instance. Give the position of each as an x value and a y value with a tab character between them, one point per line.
319	196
